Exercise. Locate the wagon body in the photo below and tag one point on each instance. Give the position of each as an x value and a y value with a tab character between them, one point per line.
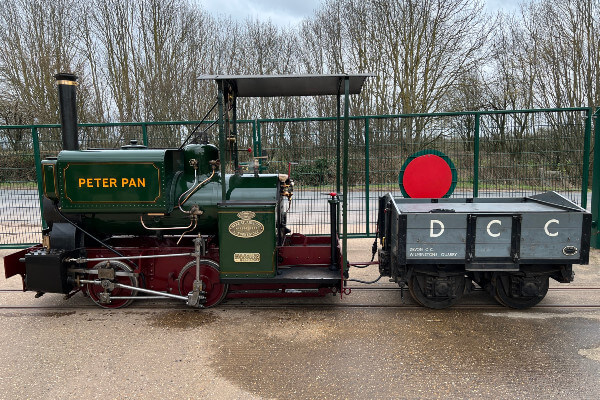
482	239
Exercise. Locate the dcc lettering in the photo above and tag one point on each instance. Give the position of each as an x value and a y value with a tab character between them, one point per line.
552	221
436	228
489	230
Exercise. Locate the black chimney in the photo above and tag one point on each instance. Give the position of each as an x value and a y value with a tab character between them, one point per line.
67	84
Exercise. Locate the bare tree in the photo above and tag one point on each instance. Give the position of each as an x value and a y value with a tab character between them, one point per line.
418	48
139	60
567	34
38	41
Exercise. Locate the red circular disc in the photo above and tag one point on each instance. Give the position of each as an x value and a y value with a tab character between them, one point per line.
209	275
427	176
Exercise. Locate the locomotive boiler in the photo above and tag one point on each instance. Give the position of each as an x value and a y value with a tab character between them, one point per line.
189	223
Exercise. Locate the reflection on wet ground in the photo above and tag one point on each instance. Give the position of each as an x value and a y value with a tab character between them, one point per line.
408	354
186	319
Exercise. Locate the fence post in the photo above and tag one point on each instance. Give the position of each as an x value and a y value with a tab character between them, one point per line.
338	148
476	156
259	138
145	134
367	174
595	242
254	140
587	138
38	172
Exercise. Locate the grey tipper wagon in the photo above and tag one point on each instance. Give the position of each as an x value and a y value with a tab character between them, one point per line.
508	246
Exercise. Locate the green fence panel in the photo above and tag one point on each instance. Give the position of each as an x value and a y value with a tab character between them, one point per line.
19	198
496	154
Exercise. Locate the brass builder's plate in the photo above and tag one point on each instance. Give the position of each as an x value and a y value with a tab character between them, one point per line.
246	257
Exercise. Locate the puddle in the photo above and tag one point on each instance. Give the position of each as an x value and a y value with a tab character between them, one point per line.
592	354
182	319
297	354
543	316
53	314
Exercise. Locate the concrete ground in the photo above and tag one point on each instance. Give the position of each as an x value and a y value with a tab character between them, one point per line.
372	346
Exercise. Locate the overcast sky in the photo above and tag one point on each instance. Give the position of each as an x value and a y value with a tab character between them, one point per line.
291	12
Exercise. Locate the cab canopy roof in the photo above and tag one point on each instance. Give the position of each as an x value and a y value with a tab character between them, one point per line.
291	85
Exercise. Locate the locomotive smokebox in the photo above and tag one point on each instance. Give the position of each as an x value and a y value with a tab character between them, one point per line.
67	83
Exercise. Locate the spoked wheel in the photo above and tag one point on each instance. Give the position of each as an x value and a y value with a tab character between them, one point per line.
516	291
210	277
100	294
436	291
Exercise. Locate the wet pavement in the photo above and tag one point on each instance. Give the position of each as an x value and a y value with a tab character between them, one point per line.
410	354
368	345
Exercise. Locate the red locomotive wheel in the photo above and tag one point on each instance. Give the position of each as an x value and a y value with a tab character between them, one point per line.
210	277
95	291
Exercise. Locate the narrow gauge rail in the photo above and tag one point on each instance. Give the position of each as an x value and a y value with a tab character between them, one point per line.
407	303
389	288
281	306
397	289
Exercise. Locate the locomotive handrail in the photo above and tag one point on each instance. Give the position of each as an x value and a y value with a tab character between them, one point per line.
167	229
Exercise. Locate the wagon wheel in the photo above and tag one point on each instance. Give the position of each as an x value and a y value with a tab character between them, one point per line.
435	291
519	291
210	277
97	291
414	296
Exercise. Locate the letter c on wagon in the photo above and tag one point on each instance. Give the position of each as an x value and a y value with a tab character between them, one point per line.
552	221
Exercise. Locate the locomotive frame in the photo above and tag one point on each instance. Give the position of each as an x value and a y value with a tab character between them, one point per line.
110	213
140	223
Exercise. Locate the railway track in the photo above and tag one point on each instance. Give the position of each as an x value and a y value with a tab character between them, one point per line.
395	289
259	304
300	306
475	290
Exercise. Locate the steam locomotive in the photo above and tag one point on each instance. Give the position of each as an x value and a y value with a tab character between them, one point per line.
140	223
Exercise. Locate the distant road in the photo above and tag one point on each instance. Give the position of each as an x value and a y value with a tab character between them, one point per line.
309	211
